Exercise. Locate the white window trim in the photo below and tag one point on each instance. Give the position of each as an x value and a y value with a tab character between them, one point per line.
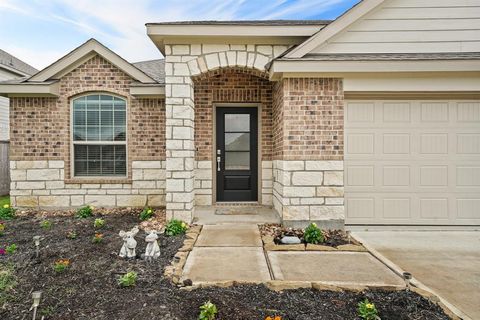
73	143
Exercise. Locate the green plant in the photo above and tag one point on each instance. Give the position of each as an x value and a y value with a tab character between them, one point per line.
2	228
71	234
367	310
207	311
99	223
11	249
175	227
7	212
46	224
313	234
146	214
7	282
85	212
61	265
128	279
97	238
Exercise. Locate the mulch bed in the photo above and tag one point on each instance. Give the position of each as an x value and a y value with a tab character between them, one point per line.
333	238
89	289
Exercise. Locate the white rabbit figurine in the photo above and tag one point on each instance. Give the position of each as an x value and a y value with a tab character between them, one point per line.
129	243
153	250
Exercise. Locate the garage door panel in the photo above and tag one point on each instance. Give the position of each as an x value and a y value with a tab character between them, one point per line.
413	162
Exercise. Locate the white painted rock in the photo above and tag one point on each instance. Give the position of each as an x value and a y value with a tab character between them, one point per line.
290	240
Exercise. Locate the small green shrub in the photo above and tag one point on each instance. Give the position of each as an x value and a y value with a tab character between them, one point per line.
367	310
2	228
61	265
175	227
97	238
313	234
11	249
208	311
85	212
128	279
46	224
99	223
7	282
146	214
7	212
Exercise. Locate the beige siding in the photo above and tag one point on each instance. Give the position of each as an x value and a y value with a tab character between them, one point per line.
4	121
409	26
412	162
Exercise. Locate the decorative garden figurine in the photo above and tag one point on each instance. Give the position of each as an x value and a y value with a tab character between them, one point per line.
153	250
129	243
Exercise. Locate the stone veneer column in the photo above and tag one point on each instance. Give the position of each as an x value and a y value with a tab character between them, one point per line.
180	149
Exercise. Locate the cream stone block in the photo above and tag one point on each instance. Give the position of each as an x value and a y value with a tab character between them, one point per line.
112	186
154	174
90	186
147	164
204	164
22	185
31	164
119	191
261	61
181	69
195	49
175	185
143	184
43	174
209	48
40	192
212	60
174	144
202	65
77	201
132	200
333	178
206	184
267	164
18	175
267	199
267	174
250	47
203	174
68	191
231	58
307	178
137	174
327	212
293	165
175	164
168	68
26	201
242	59
193	66
54	201
100	200
238	47
203	200
299	192
278	50
310	201
55	184
182	133
13	165
182	197
223	59
56	164
182	112
266	50
185	215
324	165
156	200
16	192
96	191
334	201
250	59
181	90
180	49
296	213
330	191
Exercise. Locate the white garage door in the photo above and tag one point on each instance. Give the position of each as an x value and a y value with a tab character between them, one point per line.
412	162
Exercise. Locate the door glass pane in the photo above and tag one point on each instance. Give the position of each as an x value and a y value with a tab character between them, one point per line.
237	160
237	141
237	122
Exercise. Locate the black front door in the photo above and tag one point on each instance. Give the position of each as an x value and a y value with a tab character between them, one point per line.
236	154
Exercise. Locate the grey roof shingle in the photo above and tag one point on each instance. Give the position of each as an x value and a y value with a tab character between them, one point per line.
12	62
389	56
153	68
248	22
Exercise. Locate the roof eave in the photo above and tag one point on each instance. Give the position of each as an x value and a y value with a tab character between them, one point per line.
11	90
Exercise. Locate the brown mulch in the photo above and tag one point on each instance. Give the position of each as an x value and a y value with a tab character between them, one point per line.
89	289
333	238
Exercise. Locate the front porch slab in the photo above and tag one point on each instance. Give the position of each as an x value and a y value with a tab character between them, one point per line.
358	268
229	235
248	215
207	264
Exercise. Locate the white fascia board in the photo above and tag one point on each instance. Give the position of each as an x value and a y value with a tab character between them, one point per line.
148	91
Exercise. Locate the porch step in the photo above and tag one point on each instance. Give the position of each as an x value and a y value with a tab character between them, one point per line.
224	214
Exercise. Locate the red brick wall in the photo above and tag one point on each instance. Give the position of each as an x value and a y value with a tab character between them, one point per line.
40	127
230	85
312	123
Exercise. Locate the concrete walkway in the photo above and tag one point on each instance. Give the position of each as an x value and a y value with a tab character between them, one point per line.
234	252
448	262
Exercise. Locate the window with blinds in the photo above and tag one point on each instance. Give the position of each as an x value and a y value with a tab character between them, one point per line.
99	136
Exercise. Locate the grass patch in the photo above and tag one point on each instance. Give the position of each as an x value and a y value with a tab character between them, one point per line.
4	200
7	282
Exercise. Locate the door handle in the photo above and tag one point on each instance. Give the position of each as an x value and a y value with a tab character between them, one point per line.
219	159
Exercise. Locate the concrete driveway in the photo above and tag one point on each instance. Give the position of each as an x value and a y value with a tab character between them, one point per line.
448	262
